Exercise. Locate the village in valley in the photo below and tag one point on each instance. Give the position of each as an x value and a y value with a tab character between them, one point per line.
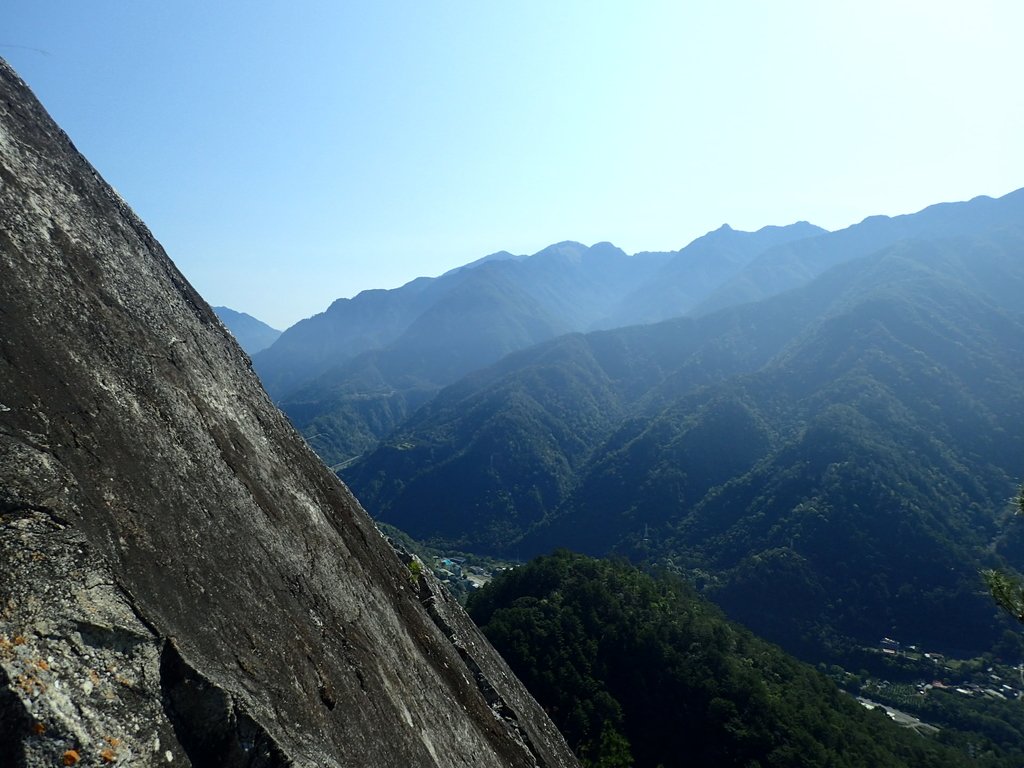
461	573
978	677
460	576
929	691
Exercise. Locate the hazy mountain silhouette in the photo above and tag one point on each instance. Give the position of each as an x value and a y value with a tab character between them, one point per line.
696	271
251	334
791	264
347	377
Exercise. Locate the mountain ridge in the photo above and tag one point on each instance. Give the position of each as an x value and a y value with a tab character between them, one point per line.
451	325
788	265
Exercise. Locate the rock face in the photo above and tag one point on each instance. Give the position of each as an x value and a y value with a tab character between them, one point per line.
181	580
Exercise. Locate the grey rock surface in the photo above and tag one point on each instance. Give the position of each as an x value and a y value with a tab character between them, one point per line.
182	582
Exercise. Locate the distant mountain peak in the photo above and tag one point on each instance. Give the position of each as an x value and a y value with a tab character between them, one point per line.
575	252
496	256
565	246
252	334
796	226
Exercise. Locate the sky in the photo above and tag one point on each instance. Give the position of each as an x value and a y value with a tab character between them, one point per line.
290	154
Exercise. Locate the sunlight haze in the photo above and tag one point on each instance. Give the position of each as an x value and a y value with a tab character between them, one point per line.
289	155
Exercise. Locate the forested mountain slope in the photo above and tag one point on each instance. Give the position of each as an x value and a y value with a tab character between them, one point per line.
641	672
834	460
345	391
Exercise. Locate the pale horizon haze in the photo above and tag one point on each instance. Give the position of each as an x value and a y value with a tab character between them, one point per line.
287	155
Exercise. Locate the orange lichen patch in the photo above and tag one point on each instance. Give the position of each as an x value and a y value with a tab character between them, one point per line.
71	757
30	685
112	741
43	664
108	755
95	678
19	640
38	729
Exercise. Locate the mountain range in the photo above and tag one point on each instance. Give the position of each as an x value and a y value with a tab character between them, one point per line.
251	334
832	463
348	376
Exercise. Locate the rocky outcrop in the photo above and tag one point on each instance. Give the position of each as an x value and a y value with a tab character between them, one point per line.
182	581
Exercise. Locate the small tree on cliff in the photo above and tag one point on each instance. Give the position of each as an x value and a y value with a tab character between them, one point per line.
1006	590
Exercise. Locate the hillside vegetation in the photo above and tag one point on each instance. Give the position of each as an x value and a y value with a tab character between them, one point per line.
640	672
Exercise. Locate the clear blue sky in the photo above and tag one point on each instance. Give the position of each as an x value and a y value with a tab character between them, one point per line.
287	154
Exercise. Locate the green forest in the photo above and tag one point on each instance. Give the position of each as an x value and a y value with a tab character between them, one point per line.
640	671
